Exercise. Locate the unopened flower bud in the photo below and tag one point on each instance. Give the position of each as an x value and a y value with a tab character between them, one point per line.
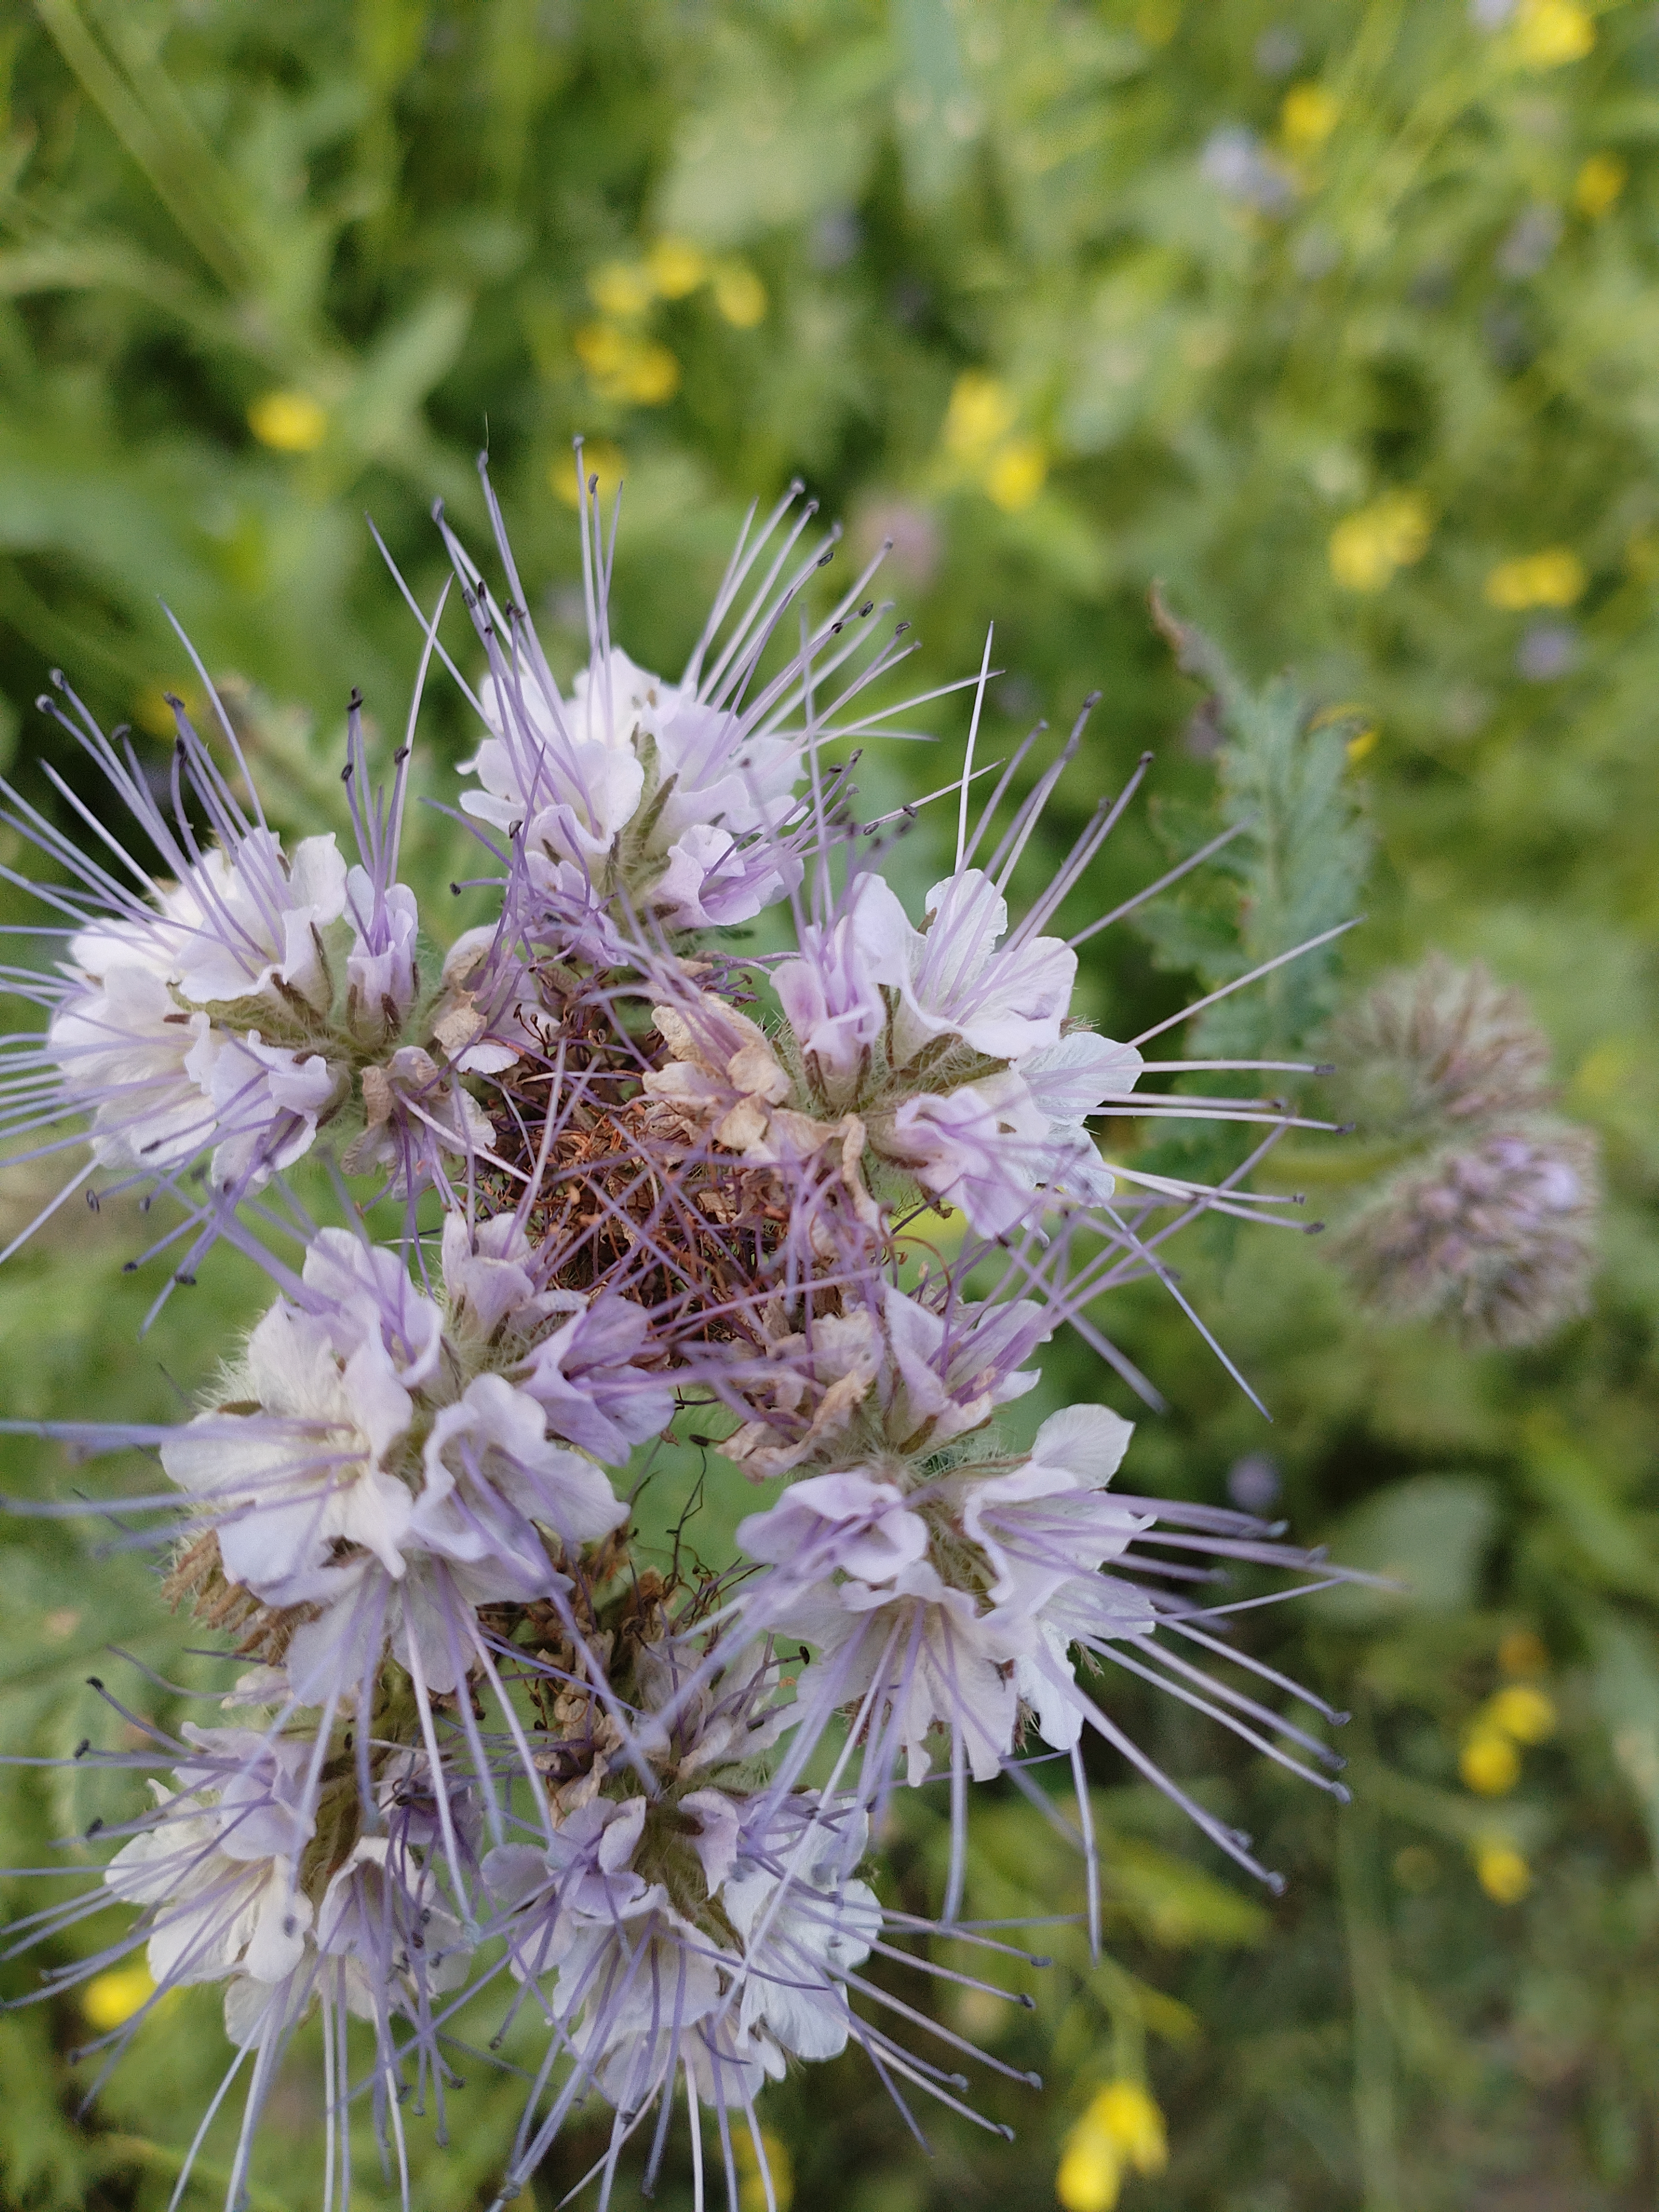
1497	1236
1439	1047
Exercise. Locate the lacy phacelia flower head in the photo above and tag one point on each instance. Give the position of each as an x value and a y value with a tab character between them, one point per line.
636	797
644	1177
702	1934
929	1597
358	1467
251	999
881	1383
943	1049
217	1867
165	1076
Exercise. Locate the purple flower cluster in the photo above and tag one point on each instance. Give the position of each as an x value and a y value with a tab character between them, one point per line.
480	1740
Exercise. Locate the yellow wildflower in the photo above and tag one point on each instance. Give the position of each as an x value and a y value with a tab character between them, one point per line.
1598	184
1121	2129
981	412
1524	1713
1307	117
1134	2123
1501	1873
622	366
739	295
1015	473
1549	32
288	421
1366	547
751	2182
1091	2172
1490	1764
1555	578
112	1997
621	288
677	267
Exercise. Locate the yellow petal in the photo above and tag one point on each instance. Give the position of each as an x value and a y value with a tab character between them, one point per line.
1309	116
288	421
1126	2112
110	1998
1490	1764
1598	184
677	267
1554	577
1549	32
623	288
1501	1873
1015	475
1367	547
1523	1712
1091	2173
739	295
981	411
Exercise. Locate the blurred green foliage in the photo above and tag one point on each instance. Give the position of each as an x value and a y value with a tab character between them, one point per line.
1334	319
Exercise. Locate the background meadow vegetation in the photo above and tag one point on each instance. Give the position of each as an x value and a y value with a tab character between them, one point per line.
1338	319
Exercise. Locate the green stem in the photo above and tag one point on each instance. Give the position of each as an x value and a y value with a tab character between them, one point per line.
1370	1979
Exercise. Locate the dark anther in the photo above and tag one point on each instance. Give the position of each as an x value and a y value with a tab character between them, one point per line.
93	1827
454	890
356	700
899	628
400	756
128	1266
94	1682
869	607
83	1746
92	1199
346	772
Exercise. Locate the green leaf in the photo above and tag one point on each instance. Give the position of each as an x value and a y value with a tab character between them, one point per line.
1429	1535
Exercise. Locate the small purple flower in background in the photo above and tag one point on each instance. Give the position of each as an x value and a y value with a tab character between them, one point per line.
1237	164
1548	650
